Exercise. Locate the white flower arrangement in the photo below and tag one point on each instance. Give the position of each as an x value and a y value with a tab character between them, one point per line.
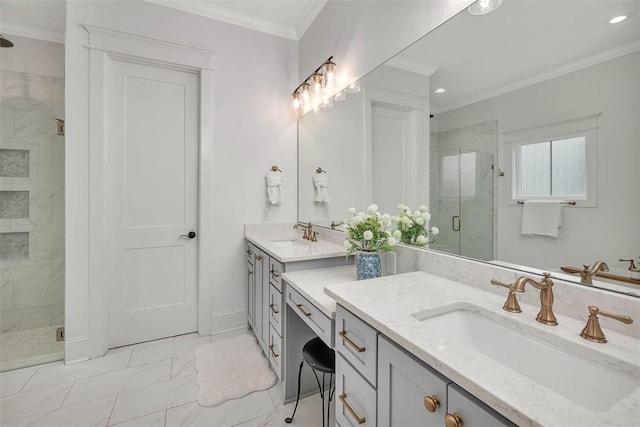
412	228
368	232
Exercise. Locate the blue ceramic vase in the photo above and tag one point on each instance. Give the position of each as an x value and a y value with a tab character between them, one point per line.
368	265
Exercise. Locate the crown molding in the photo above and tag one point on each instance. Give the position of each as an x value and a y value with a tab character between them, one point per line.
15	29
589	61
414	67
308	16
224	15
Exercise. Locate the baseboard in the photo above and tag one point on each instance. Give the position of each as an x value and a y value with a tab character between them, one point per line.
228	321
76	349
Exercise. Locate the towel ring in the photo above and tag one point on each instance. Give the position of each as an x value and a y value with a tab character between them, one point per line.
275	168
319	170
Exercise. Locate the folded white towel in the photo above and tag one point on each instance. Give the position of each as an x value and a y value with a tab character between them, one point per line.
274	181
321	185
541	217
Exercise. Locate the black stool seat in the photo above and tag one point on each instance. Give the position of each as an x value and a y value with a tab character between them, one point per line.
319	356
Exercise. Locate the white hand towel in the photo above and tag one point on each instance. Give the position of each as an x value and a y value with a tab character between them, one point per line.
321	185
541	217
274	181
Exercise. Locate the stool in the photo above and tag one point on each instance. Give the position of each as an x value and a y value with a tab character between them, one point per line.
321	359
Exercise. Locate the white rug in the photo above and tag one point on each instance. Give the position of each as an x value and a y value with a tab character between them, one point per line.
230	369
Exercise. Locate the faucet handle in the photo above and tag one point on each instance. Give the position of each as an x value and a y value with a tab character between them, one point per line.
632	264
511	304
592	330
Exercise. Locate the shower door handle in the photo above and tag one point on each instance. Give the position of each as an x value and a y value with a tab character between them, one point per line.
455	223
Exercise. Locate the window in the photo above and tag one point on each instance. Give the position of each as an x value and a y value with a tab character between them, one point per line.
554	168
555	161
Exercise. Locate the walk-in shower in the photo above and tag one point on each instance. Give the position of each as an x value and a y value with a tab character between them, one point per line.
32	255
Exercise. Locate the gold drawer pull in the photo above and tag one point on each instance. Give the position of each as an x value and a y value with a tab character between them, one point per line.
355	346
273	353
302	310
431	403
275	273
343	399
453	420
273	309
258	258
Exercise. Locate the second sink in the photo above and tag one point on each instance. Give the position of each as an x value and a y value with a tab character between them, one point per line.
589	383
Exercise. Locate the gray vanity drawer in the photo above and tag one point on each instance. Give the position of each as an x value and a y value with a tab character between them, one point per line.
275	309
275	351
473	412
317	320
355	398
275	273
357	342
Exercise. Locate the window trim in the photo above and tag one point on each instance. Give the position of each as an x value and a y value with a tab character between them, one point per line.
584	126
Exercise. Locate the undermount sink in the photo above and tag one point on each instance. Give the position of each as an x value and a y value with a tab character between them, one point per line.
584	381
289	243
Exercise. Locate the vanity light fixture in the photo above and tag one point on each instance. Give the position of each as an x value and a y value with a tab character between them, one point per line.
482	7
316	88
617	19
440	90
353	88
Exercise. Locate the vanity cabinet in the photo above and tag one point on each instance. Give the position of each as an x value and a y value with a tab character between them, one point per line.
405	390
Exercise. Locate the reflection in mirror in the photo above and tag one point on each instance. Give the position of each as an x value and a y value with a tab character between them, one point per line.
540	105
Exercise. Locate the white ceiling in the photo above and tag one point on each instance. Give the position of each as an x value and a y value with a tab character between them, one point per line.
521	43
45	19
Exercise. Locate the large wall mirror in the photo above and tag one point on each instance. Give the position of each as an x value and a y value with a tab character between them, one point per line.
536	101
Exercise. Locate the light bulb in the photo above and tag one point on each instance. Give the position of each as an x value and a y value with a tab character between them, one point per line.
317	83
296	101
304	90
330	74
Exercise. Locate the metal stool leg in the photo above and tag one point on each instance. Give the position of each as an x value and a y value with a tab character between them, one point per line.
290	419
331	390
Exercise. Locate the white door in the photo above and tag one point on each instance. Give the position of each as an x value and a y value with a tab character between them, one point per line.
392	139
153	189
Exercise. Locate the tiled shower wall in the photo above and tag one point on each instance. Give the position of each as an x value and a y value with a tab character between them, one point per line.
31	202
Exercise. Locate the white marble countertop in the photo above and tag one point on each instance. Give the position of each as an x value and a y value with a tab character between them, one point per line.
388	303
311	283
273	241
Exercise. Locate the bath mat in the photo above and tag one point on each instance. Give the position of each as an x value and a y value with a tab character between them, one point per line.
230	369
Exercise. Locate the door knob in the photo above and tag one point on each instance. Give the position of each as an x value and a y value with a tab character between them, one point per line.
190	235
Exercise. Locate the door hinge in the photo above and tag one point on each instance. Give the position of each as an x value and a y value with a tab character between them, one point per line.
60	334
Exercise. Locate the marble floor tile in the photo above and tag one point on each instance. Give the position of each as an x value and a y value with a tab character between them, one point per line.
139	345
94	413
228	414
153	420
60	373
166	350
147	400
118	381
27	403
307	415
183	366
12	382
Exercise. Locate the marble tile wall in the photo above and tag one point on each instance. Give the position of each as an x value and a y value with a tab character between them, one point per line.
31	169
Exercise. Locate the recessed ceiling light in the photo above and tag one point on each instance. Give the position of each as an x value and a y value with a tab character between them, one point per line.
482	7
617	19
440	90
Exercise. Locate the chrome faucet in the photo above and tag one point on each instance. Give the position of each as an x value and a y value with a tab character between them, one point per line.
545	286
587	271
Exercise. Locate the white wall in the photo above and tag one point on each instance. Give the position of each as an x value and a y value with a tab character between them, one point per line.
33	56
254	127
611	230
363	34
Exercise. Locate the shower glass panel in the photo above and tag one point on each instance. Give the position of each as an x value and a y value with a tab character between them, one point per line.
462	188
31	218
